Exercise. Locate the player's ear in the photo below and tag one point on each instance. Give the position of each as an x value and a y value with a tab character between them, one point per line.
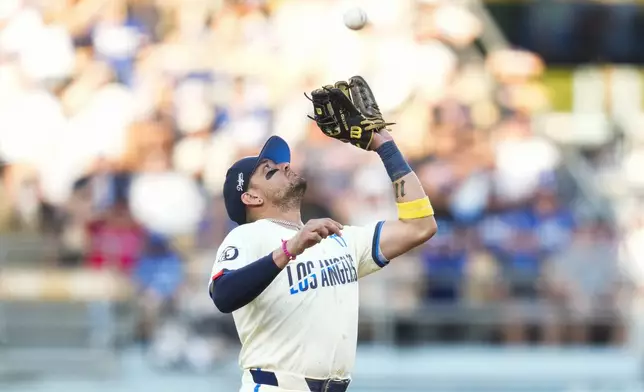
252	199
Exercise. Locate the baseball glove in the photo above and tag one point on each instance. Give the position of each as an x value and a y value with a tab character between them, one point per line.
348	112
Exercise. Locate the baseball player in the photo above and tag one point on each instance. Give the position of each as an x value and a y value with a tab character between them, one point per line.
292	287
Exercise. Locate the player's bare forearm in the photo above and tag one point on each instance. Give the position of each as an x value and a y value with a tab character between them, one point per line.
416	224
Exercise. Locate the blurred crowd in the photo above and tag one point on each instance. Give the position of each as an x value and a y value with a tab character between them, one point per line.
119	118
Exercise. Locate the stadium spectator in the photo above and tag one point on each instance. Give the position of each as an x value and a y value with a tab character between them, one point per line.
157	275
115	240
445	263
516	247
584	279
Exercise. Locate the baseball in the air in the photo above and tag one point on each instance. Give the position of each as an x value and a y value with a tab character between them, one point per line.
355	18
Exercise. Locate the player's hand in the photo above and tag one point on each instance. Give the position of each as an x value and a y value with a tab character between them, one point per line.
312	233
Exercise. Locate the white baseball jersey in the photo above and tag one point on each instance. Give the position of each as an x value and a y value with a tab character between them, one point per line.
306	321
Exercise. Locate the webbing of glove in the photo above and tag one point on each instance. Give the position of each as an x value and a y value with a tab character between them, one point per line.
364	100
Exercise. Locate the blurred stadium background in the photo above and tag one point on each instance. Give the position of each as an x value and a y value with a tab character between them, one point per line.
523	119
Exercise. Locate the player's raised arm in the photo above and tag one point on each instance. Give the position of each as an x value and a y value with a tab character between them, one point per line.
348	112
416	223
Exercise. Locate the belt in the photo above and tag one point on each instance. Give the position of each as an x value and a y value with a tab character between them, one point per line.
289	381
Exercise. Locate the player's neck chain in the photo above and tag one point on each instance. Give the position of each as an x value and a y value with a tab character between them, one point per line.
287	224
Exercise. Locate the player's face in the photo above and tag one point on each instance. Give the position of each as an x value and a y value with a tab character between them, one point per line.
278	184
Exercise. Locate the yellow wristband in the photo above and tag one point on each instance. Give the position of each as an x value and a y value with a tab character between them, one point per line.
415	209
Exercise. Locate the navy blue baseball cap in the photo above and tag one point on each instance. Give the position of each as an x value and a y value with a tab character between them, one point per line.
238	176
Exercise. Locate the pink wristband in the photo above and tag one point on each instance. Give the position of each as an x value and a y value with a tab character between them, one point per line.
286	252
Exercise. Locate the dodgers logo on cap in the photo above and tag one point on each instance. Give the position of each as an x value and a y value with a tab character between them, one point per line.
240	182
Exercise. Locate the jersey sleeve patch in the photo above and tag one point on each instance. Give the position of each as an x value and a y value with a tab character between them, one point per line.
235	251
229	253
